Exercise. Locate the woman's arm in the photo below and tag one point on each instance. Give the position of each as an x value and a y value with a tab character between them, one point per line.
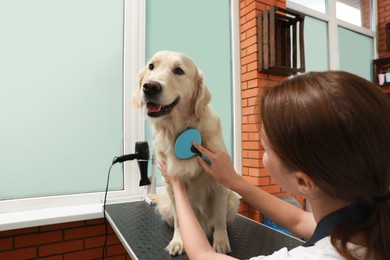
195	241
288	216
284	214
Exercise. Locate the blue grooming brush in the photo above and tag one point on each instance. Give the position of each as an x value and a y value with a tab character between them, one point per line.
183	146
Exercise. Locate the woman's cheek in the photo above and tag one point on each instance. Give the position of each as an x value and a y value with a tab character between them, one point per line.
265	160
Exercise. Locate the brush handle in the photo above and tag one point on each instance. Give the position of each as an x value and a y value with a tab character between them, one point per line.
194	150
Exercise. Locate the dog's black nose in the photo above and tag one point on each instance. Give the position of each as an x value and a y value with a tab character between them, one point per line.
151	88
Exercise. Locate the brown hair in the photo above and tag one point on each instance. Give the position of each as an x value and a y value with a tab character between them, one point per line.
335	127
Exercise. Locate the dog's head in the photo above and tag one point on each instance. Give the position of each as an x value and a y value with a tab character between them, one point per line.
171	83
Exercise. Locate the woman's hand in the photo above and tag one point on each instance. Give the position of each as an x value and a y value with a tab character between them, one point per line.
221	168
169	179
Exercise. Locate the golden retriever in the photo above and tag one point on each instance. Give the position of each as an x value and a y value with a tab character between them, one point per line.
173	91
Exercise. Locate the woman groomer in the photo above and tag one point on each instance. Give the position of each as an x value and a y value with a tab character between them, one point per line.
326	137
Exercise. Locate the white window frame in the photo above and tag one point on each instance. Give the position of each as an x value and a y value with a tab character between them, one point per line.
28	212
334	23
236	84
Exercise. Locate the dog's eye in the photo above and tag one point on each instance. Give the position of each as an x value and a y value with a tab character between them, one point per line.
151	66
178	71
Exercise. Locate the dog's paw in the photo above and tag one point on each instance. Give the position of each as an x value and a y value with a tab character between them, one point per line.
222	246
175	247
153	198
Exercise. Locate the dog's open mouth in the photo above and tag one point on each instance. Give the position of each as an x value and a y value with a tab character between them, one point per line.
157	110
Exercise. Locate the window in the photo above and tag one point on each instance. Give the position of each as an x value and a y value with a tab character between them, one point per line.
356	12
316	44
317	5
353	12
359	64
69	68
330	35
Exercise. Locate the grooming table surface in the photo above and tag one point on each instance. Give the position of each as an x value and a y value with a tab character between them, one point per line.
145	235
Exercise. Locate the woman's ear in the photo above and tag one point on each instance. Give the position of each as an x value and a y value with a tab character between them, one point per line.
202	95
137	102
305	184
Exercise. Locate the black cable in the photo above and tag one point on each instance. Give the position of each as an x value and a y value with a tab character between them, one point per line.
104	209
114	161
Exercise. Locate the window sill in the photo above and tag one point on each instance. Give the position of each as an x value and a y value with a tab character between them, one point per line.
52	215
48	216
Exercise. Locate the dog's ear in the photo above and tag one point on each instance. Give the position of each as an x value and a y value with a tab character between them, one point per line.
137	93
202	95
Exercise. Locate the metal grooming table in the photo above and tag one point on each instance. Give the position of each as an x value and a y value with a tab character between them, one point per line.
145	235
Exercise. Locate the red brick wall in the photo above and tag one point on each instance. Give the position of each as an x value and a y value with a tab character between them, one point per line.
383	19
75	240
252	85
366	13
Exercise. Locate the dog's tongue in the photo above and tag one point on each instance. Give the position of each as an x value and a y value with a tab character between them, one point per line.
152	107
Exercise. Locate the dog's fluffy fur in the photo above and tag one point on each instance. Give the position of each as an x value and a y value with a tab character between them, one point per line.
173	91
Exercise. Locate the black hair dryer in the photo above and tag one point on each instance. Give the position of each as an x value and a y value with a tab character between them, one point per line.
143	149
142	156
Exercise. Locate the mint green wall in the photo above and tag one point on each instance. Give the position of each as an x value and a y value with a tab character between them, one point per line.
316	44
356	53
61	96
201	29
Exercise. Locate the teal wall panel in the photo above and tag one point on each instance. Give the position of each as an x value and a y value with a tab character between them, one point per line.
316	44
356	53
61	96
200	29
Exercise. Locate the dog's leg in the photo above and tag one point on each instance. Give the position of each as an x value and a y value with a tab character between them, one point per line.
176	246
221	242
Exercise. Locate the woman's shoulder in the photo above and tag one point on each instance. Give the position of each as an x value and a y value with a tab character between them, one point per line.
322	250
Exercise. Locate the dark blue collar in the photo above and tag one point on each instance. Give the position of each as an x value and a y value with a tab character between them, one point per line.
354	213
